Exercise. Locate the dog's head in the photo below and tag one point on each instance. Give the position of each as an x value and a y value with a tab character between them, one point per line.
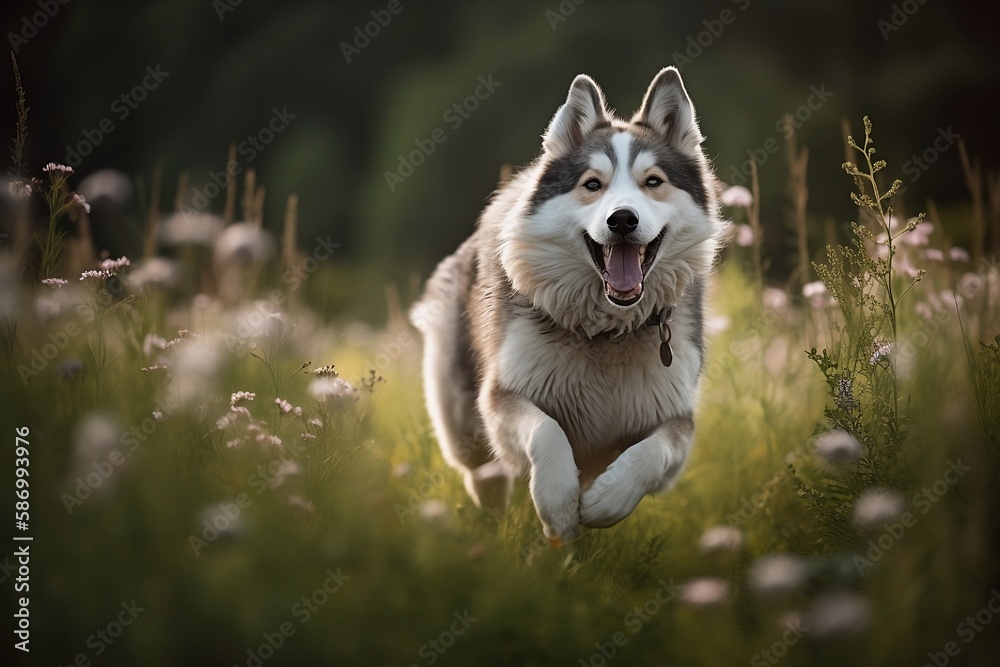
619	217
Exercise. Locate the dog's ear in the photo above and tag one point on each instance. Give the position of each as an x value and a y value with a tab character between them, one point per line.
583	111
667	109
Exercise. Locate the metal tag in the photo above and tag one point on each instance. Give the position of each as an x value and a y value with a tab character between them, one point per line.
666	353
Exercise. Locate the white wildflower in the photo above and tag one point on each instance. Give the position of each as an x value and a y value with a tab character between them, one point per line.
241	397
777	573
775	299
189	228
705	591
152	345
19	189
877	506
817	294
839	614
285	470
737	196
720	538
957	254
838	447
881	348
334	392
154	272
79	201
744	236
298	501
53	168
325	371
433	510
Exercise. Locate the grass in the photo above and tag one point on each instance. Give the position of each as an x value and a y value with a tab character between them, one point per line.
355	544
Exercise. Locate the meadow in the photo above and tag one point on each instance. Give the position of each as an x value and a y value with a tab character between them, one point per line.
221	475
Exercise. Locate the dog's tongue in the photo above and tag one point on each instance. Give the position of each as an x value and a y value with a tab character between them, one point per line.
624	267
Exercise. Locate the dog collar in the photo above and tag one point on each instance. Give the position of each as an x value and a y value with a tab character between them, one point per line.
661	320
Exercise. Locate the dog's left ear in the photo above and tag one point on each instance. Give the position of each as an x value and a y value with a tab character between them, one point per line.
667	109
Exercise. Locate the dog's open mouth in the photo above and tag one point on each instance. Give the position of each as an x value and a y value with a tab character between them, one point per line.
623	267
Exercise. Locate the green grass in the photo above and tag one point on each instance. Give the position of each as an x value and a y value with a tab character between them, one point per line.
374	466
358	544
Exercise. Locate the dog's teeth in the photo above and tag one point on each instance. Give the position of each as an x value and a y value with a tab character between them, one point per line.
642	254
607	253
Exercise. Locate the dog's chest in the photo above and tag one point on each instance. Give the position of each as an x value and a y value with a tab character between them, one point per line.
604	392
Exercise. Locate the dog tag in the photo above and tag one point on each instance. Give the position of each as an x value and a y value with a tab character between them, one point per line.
666	354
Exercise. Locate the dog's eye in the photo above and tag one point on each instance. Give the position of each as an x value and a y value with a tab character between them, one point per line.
654	182
592	184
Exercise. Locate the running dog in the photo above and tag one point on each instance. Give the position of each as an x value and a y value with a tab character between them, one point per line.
564	339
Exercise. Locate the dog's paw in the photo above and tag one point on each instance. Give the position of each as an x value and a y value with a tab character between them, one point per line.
557	503
611	498
489	485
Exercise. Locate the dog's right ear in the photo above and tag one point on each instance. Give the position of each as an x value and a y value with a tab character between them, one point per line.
583	111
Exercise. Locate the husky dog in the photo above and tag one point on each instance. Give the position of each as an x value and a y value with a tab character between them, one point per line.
563	339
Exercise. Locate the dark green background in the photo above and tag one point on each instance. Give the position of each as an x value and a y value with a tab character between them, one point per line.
353	119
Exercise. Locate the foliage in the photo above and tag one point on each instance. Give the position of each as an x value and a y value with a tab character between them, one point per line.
859	371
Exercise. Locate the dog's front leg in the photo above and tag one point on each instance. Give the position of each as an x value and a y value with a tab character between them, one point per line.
519	427
648	466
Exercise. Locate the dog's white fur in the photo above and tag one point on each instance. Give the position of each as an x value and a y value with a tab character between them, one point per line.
528	365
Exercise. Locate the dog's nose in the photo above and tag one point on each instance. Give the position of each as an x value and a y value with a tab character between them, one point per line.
623	220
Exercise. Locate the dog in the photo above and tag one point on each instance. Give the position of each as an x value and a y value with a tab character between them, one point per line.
564	338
